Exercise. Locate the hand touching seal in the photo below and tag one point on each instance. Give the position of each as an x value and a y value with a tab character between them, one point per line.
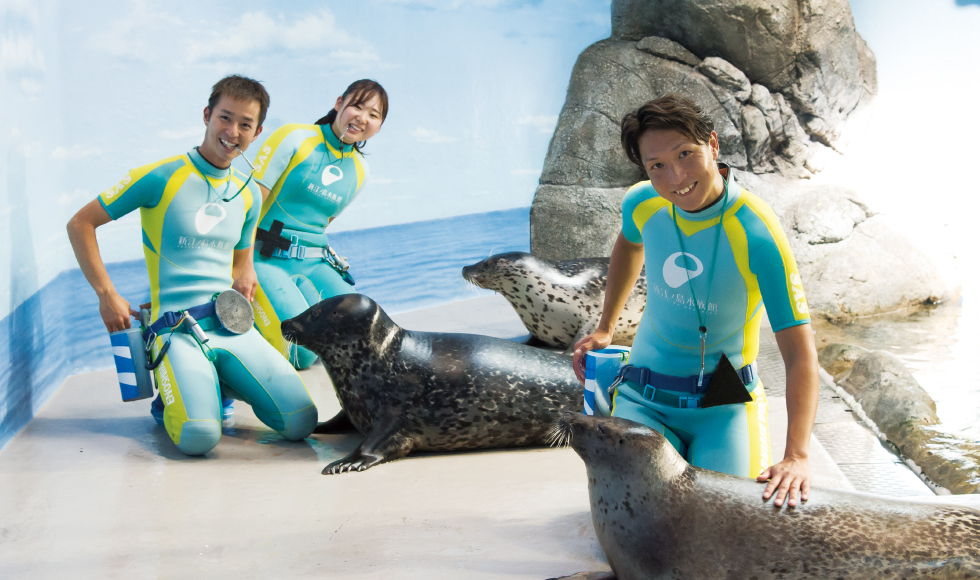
598	340
791	477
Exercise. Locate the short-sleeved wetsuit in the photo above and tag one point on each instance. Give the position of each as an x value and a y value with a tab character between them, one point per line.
754	266
189	238
311	176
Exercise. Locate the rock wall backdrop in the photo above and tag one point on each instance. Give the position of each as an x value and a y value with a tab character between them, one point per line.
787	83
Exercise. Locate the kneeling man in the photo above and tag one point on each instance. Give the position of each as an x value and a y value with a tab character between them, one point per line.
198	216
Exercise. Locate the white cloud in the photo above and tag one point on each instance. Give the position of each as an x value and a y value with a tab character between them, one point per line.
525	172
19	54
456	4
74	152
543	123
185	134
257	32
431	137
20	8
30	86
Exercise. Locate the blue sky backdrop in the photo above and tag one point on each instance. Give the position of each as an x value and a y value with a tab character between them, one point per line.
89	90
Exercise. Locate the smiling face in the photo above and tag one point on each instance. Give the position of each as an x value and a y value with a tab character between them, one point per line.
232	123
358	121
682	171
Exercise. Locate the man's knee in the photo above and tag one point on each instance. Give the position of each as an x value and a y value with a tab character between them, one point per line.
300	424
197	437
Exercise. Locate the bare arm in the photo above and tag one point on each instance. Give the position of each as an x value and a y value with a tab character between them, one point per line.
792	474
624	268
243	273
113	308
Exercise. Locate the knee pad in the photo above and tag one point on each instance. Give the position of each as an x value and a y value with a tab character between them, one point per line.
198	437
300	425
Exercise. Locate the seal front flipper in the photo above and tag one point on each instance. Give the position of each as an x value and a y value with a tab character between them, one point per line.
385	442
340	423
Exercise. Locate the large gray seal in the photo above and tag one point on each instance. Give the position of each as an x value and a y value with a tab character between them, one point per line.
559	302
656	516
419	391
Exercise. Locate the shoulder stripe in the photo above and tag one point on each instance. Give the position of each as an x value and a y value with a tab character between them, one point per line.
115	192
646	210
272	144
304	150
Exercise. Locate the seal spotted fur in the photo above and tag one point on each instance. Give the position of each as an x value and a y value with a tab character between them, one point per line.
420	391
559	302
656	516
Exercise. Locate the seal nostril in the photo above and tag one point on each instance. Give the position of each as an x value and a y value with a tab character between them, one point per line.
621	441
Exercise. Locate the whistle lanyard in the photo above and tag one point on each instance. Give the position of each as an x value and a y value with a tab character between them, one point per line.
228	184
702	328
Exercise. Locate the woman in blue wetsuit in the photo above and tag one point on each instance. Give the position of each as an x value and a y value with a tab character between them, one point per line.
714	254
308	175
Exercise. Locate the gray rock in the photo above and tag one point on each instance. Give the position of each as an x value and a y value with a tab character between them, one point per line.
610	79
762	99
575	221
888	392
755	135
668	49
808	50
838	358
724	74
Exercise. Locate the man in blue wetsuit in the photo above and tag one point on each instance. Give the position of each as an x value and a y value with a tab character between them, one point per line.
714	255
198	216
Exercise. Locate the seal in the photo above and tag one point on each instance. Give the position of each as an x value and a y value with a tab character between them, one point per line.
656	516
559	302
419	391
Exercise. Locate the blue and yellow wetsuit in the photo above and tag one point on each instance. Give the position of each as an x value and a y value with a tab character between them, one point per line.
189	239
312	176
754	266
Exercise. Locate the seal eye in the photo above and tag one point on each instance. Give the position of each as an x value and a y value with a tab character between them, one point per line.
600	430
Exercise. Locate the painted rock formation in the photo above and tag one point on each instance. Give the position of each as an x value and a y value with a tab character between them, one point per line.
785	82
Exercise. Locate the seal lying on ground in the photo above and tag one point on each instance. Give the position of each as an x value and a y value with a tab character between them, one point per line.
559	302
420	391
656	516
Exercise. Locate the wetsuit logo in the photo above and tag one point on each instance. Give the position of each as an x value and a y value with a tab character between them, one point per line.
676	274
331	174
118	187
798	297
260	159
206	219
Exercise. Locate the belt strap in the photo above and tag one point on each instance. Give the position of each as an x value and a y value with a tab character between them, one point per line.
169	319
297	250
645	376
680	392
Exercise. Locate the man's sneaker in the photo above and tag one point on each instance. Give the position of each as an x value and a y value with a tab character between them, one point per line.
227	408
156	409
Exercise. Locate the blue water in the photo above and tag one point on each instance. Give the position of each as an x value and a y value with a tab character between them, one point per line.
58	331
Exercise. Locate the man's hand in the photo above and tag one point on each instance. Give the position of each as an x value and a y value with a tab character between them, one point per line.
595	341
246	283
115	311
791	477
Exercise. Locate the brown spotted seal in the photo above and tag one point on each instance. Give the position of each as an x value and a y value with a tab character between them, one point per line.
424	391
559	302
656	516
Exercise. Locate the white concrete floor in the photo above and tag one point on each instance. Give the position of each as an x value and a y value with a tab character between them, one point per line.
93	488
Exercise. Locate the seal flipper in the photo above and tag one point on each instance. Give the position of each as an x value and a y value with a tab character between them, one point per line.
338	424
385	442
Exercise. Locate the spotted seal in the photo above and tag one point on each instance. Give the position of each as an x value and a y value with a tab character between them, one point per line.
559	302
424	391
656	516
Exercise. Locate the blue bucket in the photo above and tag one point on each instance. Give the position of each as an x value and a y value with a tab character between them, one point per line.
135	382
601	368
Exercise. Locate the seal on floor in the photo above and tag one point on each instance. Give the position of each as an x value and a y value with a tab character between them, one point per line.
656	516
424	391
559	302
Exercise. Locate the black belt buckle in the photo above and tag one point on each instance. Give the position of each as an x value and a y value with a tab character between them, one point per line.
725	387
272	239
